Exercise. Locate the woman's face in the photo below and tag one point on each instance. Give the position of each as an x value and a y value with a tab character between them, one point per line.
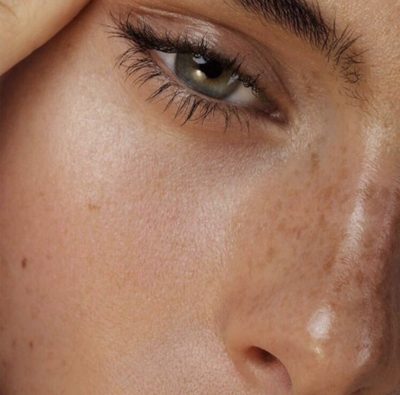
203	198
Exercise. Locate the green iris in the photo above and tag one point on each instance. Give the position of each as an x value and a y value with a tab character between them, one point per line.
205	76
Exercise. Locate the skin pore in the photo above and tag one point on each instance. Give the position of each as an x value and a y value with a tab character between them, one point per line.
145	253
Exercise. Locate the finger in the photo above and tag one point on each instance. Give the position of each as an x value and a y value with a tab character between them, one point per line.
25	25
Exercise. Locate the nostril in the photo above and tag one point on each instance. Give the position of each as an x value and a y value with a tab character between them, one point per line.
260	356
268	369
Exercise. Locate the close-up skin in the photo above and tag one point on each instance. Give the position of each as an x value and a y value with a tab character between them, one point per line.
200	197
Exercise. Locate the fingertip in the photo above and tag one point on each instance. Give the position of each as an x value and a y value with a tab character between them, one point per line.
27	25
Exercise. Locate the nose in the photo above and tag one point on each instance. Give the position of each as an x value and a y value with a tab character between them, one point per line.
326	307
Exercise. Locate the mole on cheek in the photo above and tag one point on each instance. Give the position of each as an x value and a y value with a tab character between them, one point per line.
24	263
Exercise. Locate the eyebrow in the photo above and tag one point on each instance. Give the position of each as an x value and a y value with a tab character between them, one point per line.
306	21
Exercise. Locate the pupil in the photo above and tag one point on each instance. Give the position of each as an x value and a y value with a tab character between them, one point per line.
212	69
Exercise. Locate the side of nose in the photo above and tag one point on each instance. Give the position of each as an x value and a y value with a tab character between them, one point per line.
336	329
350	340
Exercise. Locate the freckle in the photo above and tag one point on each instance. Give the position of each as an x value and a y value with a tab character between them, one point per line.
279	205
34	314
338	288
294	193
369	192
328	265
315	161
344	198
298	232
93	207
327	193
344	173
271	253
360	278
24	263
31	345
282	227
322	222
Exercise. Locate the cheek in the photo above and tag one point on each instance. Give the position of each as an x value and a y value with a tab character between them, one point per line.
105	219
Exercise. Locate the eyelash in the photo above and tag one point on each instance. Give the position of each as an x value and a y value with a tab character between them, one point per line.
139	62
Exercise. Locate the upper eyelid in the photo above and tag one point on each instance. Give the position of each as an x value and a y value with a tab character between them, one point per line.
207	30
168	43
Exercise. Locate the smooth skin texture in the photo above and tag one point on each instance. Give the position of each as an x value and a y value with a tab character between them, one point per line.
27	25
140	256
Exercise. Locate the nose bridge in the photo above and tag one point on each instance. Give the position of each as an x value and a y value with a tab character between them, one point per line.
374	211
353	333
366	263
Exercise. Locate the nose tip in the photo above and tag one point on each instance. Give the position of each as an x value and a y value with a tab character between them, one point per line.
327	356
338	364
341	354
326	368
327	364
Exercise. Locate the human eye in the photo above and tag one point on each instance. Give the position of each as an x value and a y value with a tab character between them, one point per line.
199	71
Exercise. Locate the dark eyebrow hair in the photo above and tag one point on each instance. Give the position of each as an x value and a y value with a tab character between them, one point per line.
306	21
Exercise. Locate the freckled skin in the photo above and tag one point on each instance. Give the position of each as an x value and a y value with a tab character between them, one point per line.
141	257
